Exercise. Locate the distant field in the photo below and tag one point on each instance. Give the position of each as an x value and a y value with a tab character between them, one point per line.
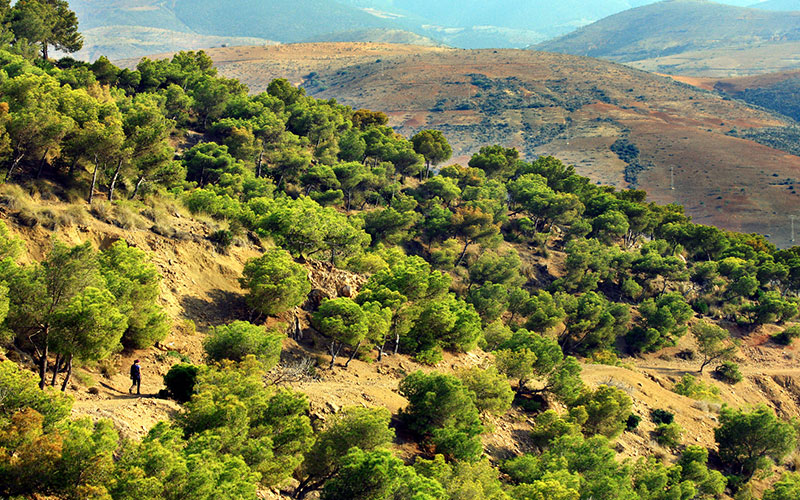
724	62
572	107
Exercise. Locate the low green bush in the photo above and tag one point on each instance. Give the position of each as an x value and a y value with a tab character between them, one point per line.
729	372
659	416
668	435
180	380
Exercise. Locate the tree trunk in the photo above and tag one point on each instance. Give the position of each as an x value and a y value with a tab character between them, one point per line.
306	486
297	332
13	166
258	163
56	369
68	375
334	349
94	180
71	171
353	354
381	349
463	253
114	181
136	189
396	342
44	51
41	164
43	365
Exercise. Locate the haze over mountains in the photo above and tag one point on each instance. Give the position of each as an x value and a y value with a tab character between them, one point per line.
121	29
694	37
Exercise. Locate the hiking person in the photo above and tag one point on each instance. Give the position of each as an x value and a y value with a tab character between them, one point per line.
136	377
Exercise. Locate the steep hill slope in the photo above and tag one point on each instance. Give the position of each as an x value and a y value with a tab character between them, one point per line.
776	91
574	108
690	37
200	284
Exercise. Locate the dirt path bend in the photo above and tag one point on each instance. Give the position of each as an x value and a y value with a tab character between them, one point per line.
133	416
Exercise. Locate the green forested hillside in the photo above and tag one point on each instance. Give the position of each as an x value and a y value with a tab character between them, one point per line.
445	253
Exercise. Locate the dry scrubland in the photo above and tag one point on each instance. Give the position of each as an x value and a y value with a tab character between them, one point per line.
200	288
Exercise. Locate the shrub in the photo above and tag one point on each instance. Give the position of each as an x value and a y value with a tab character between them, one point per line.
605	357
431	356
440	408
788	488
127	217
180	380
491	389
787	336
355	428
19	390
659	416
633	422
275	283
606	411
135	282
729	372
668	435
239	339
752	440
694	388
222	238
101	210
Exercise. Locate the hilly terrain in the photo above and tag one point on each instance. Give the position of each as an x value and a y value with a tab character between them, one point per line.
777	5
120	29
691	37
775	91
577	109
214	291
200	287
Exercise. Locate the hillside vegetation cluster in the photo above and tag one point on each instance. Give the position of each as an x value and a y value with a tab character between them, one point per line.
441	247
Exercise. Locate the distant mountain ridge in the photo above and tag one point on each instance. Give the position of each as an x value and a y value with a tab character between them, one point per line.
458	23
689	37
778	5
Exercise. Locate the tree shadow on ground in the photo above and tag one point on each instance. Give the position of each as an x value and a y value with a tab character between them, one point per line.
219	307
